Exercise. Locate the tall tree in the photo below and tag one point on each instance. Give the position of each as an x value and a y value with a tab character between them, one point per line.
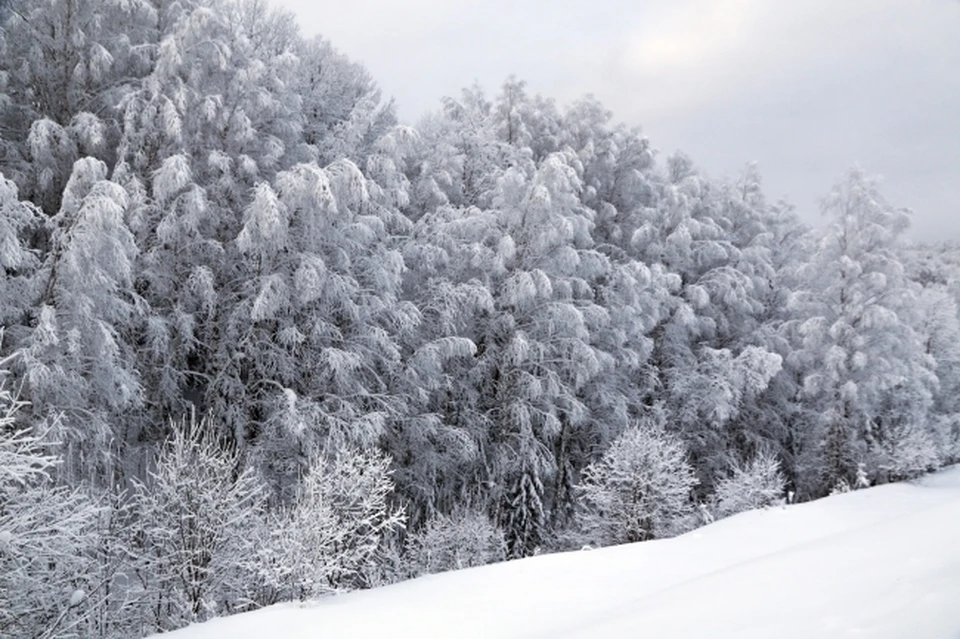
78	359
866	369
312	344
65	66
19	222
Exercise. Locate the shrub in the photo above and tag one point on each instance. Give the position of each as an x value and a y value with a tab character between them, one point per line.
757	485
329	539
193	516
49	536
462	540
638	490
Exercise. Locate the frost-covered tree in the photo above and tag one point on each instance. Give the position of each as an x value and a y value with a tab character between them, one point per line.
866	370
192	519
77	359
779	419
709	240
537	347
19	221
936	319
72	55
65	66
462	540
766	250
757	484
465	157
640	489
333	86
317	320
49	537
329	539
452	258
510	110
222	90
217	114
586	131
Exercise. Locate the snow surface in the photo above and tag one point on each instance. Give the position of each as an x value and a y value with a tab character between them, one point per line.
882	562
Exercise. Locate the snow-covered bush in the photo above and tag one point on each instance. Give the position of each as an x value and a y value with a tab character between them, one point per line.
758	484
638	489
461	540
950	438
48	538
911	451
330	538
862	481
194	514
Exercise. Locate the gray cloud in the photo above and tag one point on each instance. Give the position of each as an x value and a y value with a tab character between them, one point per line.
804	88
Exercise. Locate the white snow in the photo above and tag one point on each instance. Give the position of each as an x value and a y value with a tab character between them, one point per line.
78	595
882	562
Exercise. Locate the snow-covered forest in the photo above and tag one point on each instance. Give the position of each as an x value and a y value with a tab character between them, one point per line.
262	342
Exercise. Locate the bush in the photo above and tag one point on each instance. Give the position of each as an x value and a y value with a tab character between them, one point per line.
49	537
329	540
911	451
638	490
462	540
757	485
193	517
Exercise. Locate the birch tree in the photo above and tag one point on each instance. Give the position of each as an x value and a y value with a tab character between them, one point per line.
867	370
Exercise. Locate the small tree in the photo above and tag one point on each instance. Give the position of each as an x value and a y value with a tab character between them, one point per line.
757	485
462	540
911	451
638	489
330	538
48	538
193	516
524	518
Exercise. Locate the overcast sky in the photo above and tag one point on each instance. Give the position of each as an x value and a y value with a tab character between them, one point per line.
806	88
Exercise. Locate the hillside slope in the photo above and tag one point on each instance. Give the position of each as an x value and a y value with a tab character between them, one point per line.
883	562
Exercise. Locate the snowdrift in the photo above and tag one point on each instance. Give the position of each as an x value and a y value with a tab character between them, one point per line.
882	562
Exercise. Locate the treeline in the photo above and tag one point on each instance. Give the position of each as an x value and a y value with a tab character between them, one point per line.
491	326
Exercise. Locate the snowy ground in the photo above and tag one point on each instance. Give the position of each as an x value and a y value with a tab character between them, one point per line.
883	562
